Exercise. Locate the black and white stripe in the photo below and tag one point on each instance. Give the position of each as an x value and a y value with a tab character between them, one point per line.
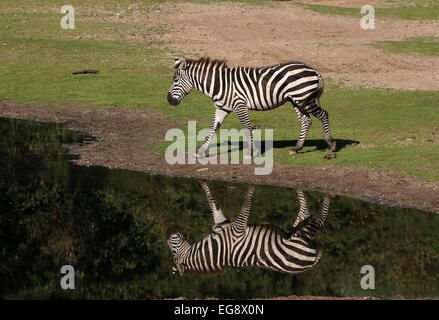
242	88
238	244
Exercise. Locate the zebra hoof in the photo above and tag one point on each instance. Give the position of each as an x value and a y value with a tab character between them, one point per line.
247	157
293	152
330	156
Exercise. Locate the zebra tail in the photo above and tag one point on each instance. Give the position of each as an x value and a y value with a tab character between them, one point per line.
319	255
315	96
320	89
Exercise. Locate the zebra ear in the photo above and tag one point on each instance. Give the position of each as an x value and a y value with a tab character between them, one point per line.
183	64
177	62
180	63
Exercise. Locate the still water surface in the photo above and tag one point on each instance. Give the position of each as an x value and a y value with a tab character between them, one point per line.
113	227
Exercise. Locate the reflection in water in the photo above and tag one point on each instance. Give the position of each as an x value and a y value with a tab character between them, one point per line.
238	244
110	225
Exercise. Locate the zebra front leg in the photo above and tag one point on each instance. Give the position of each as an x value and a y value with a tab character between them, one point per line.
322	115
240	223
305	124
244	118
303	209
218	119
217	213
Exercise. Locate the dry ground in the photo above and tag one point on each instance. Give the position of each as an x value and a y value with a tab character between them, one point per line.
281	31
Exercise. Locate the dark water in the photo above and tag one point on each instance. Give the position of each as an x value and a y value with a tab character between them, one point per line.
111	225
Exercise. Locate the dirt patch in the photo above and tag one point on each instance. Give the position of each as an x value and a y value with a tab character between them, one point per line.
256	35
126	135
345	3
335	45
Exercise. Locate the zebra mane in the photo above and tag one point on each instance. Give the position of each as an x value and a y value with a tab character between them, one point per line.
206	60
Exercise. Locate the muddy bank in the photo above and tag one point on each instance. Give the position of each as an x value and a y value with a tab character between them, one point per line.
117	147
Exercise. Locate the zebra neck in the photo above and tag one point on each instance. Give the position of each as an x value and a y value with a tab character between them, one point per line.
210	79
184	250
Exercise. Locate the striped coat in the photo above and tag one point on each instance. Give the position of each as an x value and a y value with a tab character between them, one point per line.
239	245
241	89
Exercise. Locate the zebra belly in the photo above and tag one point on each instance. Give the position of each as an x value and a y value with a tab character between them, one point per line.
265	107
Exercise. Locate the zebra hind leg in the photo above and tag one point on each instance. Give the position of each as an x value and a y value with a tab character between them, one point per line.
305	124
322	115
243	116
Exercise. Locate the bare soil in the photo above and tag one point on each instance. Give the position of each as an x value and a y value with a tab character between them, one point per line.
337	46
124	137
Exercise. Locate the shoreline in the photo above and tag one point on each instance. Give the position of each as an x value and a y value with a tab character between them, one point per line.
124	135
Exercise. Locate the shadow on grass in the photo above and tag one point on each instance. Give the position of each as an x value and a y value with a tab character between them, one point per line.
319	144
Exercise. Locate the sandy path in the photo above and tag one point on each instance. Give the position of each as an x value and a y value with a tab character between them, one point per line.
336	45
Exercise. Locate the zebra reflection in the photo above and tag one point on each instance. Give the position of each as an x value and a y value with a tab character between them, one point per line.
238	244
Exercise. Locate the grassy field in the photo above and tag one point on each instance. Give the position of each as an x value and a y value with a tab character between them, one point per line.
380	129
410	10
428	46
386	124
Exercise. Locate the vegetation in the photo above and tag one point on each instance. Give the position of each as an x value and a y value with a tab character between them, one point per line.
428	46
429	11
38	58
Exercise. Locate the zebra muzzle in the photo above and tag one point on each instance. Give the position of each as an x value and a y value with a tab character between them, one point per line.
172	101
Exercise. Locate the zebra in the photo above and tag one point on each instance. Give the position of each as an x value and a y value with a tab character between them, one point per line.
239	245
241	89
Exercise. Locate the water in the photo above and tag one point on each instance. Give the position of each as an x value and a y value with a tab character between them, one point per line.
111	225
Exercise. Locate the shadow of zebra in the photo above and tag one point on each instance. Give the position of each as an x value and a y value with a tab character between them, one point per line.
319	144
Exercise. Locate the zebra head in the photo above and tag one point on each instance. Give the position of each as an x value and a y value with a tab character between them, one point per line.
177	244
182	83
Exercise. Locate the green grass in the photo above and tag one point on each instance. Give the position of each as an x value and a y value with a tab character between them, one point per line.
397	130
428	46
410	3
403	12
38	58
127	79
